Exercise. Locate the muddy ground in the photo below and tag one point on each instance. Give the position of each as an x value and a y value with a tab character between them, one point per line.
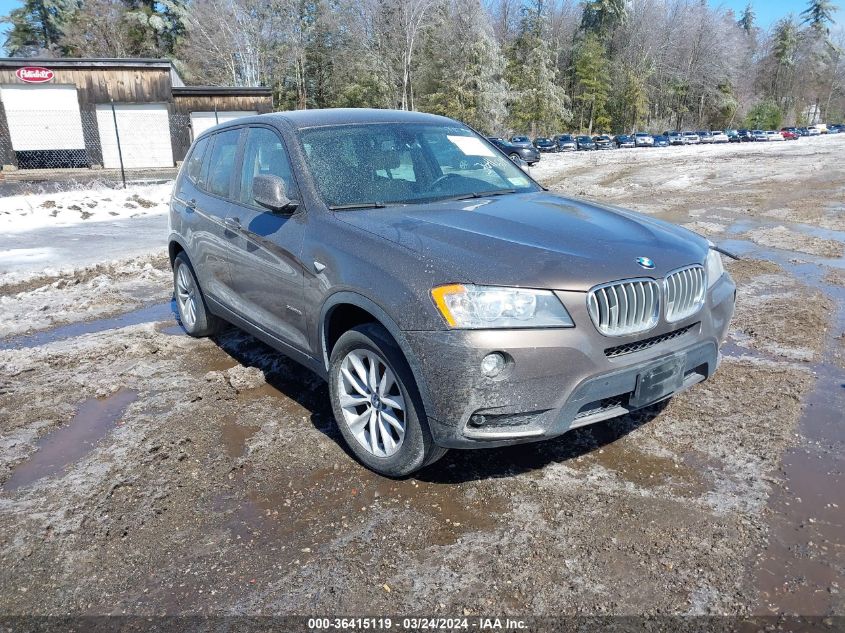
146	472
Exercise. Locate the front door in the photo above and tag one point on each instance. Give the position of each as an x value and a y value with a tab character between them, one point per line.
265	268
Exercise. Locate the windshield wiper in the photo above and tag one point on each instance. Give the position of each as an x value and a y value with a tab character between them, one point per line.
357	205
479	194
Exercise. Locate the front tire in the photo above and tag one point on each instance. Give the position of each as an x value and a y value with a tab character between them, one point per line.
376	403
194	315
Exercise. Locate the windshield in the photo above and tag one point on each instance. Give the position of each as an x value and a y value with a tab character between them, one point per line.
401	163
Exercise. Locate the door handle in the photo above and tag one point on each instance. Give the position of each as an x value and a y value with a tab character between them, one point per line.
232	223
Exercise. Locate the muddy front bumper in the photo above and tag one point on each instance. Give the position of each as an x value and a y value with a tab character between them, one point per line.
556	380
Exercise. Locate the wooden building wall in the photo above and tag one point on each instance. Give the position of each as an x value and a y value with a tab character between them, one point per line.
95	84
184	104
101	82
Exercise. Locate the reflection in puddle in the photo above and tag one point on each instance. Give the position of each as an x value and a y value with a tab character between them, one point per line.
67	444
147	314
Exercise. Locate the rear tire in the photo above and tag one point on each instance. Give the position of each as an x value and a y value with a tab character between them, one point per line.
377	405
194	315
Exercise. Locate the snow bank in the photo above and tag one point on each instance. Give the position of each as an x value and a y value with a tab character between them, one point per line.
34	211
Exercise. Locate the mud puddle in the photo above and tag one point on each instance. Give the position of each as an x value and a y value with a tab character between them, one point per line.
94	419
801	571
147	314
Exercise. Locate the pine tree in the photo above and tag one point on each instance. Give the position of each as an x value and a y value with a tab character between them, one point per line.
819	15
536	103
464	76
602	16
591	74
36	27
746	20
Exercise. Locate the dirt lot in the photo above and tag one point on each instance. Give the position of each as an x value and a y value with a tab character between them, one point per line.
146	472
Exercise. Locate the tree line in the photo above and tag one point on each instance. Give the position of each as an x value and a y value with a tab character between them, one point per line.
528	66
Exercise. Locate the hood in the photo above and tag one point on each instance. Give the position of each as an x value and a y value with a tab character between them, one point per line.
533	240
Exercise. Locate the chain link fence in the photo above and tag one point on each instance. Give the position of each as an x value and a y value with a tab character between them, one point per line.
112	144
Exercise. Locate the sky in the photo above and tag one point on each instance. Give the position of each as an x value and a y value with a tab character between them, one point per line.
768	11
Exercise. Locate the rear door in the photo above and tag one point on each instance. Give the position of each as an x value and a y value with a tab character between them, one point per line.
206	196
265	246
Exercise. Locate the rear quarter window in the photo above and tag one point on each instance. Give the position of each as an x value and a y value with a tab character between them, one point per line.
193	168
221	162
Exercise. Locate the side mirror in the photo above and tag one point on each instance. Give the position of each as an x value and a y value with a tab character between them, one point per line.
269	192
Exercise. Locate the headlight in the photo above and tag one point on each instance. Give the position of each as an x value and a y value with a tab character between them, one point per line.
714	266
482	307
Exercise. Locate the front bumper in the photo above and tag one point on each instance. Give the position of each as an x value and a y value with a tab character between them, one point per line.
556	379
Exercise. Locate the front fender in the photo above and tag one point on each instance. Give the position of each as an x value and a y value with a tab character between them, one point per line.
346	297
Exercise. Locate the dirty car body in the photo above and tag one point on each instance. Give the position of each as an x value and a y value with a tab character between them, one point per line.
586	311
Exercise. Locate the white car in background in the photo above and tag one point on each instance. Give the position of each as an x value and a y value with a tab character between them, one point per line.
814	130
774	135
719	136
759	135
691	138
641	139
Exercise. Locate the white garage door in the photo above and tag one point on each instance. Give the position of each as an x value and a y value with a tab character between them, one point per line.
43	118
201	121
144	130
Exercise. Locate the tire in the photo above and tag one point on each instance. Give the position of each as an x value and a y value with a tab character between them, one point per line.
193	311
396	441
514	157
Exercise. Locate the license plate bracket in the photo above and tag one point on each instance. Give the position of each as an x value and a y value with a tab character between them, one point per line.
658	381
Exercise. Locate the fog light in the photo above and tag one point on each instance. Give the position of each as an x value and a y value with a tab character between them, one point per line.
492	365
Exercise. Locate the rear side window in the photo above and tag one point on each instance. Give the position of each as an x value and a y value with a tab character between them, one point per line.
193	169
265	155
221	162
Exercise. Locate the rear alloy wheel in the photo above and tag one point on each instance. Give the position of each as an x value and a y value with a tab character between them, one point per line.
376	403
193	312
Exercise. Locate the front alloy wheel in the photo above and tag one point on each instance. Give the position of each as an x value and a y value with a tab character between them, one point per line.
372	404
377	405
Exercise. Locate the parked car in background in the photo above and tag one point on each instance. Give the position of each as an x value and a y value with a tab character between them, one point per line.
745	136
790	134
566	143
623	140
802	131
641	139
521	140
545	144
585	143
603	142
814	130
675	138
835	128
502	337
706	137
719	136
759	135
733	136
691	138
774	135
529	153
661	141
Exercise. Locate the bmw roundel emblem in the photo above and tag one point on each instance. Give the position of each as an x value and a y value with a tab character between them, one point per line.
645	262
